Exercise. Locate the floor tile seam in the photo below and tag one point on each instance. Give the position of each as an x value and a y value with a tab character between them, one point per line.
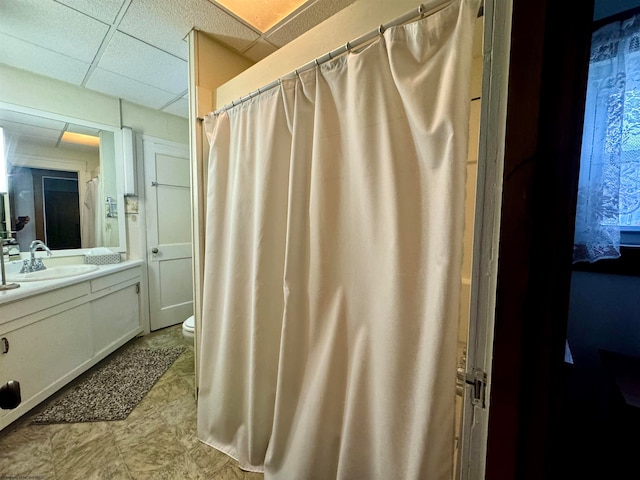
115	441
72	453
173	432
51	455
201	471
165	426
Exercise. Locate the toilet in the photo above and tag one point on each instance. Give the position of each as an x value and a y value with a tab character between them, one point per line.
188	328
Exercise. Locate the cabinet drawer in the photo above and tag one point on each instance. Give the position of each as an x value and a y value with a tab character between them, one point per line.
107	281
36	303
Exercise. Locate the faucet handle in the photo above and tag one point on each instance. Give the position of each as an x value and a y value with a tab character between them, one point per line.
26	267
39	265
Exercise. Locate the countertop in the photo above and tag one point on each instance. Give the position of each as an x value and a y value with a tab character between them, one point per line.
28	289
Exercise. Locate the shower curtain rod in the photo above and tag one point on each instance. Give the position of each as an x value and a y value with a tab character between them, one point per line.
423	10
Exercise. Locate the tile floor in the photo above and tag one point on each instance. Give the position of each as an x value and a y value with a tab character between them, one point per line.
156	441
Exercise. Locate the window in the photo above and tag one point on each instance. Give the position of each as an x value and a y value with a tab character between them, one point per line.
608	209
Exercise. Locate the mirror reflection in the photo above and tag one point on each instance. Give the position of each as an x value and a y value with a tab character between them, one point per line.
62	182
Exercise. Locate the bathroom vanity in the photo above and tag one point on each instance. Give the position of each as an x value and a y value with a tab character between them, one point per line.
51	331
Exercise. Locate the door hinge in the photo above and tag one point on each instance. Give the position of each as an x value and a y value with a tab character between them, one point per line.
138	287
478	380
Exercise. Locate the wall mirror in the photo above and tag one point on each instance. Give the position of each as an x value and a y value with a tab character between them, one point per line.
65	180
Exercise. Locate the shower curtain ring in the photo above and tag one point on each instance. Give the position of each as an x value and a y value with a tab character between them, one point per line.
421	10
381	29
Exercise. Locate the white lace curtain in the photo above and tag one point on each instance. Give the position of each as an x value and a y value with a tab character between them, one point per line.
609	185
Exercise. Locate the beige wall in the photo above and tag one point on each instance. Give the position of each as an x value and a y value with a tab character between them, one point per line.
146	121
215	65
26	89
210	65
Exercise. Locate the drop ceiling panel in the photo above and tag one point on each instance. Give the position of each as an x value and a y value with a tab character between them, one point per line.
180	108
118	86
225	27
103	10
21	134
145	60
33	140
305	20
162	23
22	130
76	147
262	14
17	118
53	26
82	129
24	55
166	23
259	50
131	58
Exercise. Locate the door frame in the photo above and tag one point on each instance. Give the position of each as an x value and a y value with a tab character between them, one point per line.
147	144
139	141
488	204
545	113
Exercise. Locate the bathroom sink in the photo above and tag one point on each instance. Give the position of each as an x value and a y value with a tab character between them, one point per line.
52	273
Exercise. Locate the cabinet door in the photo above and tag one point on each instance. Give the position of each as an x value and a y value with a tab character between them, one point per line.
43	353
114	316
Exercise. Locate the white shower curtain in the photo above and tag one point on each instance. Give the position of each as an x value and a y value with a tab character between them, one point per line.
333	263
90	225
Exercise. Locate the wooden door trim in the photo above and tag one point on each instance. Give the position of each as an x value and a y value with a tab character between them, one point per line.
547	87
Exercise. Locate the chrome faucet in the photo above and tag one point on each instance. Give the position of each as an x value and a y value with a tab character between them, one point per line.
35	264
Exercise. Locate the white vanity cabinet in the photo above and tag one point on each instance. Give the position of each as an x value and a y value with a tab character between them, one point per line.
54	335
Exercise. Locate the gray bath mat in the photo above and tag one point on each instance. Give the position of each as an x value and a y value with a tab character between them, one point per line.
112	390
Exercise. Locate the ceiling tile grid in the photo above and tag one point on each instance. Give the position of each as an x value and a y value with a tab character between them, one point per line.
53	26
26	56
119	86
166	23
103	10
21	125
144	63
259	50
70	127
135	49
180	107
19	132
226	28
162	23
305	19
18	118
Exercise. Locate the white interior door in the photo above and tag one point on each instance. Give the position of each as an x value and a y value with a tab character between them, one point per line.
168	219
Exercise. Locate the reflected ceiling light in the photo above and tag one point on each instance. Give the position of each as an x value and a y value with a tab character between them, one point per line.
262	14
81	139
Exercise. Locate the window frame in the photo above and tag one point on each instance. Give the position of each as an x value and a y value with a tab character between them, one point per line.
629	261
